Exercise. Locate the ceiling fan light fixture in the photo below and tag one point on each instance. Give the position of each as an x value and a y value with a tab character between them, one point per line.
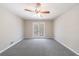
38	9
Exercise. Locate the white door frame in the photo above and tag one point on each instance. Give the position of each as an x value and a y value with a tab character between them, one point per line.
38	29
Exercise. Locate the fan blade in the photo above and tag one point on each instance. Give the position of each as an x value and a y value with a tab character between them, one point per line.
44	12
28	10
38	4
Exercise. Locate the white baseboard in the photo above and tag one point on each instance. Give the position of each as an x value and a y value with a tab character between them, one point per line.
68	47
10	46
38	38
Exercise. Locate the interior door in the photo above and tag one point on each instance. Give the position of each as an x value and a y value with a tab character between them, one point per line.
38	29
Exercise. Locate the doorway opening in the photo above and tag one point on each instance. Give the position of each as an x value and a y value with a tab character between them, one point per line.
38	29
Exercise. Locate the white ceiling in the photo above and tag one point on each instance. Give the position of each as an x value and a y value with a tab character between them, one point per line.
55	9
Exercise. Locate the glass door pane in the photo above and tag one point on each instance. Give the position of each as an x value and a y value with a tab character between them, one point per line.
38	29
35	29
41	29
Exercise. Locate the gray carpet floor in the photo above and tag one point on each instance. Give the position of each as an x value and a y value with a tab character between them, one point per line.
38	47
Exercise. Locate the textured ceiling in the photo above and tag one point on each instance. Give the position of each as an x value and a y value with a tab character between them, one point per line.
55	9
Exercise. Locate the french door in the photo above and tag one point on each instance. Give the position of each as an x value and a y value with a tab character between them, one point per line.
38	29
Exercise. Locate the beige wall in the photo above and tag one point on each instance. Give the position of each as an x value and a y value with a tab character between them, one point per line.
28	29
11	28
66	29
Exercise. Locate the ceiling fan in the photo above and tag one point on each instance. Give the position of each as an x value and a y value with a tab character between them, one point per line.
37	9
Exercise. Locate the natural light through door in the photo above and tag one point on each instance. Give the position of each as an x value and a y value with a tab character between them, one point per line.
38	29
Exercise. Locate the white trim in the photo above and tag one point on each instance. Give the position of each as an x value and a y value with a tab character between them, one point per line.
68	47
38	38
10	46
